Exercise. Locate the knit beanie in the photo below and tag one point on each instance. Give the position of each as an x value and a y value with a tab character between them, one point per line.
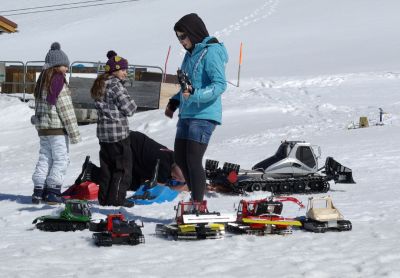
115	62
56	57
193	26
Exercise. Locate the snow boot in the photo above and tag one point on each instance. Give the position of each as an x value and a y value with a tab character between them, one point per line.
37	196
53	196
86	174
128	204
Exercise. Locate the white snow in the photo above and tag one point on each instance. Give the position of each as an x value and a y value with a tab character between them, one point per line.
310	69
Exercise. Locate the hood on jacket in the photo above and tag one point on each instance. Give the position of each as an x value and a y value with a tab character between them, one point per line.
211	42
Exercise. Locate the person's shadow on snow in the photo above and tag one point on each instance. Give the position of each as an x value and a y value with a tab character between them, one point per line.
16	198
26	200
129	215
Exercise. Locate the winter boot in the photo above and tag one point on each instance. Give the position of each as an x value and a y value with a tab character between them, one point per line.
86	173
37	196
128	204
53	196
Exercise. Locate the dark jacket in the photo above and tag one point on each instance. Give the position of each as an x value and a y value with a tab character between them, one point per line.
145	152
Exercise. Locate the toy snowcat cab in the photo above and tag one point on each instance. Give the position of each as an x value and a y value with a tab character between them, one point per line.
194	221
76	216
83	188
319	218
116	230
293	169
261	217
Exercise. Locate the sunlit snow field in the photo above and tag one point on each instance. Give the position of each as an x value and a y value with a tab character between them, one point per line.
311	69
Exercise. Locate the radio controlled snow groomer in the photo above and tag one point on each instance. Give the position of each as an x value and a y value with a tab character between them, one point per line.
115	229
263	216
194	221
292	169
75	216
322	216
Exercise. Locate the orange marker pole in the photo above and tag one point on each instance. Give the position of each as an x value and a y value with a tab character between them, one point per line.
240	62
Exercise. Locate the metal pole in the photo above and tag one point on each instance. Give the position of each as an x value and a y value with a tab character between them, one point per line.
24	80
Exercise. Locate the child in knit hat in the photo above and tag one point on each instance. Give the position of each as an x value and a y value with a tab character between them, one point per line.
114	106
56	124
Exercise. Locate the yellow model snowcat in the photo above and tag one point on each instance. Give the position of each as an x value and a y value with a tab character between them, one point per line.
194	221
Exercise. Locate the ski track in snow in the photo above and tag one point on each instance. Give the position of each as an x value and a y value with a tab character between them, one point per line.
260	13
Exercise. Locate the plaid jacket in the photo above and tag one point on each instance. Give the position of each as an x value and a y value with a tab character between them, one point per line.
113	112
59	116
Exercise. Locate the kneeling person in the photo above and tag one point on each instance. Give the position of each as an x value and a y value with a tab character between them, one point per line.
145	153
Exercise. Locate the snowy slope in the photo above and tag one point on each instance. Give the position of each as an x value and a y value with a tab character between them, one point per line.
318	112
280	37
287	93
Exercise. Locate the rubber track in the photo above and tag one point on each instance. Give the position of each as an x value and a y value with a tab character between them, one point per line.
302	185
56	226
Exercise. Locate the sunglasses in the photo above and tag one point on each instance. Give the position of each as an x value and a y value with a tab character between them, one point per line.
182	37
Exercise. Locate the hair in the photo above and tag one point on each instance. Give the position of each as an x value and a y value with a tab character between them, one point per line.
179	28
98	89
44	81
176	172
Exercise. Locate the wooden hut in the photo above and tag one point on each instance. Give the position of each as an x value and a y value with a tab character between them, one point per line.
7	26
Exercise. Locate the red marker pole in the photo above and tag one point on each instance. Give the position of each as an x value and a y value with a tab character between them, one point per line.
165	65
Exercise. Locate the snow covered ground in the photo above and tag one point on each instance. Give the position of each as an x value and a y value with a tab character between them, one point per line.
290	91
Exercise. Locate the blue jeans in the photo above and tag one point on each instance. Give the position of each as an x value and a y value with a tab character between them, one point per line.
195	130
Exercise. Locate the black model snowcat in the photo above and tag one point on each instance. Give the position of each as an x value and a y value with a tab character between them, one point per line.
75	216
292	169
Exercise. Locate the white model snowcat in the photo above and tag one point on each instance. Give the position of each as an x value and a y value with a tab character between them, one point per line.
292	169
322	215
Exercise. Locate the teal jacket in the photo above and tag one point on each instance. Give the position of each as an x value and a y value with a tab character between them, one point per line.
205	67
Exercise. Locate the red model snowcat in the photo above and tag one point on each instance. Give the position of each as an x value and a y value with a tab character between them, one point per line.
116	230
194	221
263	216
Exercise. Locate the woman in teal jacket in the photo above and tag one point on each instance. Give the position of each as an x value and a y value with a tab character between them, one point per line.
200	108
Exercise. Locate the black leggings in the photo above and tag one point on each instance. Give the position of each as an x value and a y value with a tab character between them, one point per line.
189	157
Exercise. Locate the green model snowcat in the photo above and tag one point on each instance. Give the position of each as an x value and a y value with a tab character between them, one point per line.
75	216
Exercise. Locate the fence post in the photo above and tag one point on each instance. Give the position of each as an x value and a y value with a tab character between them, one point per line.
2	73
